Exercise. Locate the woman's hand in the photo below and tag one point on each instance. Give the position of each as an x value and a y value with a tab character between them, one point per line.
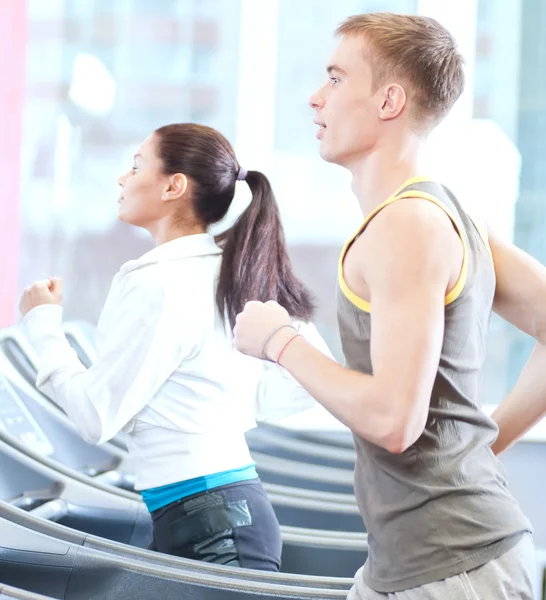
45	291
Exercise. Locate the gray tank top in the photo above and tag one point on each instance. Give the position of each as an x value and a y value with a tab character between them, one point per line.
442	507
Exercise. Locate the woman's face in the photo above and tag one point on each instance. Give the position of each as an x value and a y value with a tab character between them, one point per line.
142	188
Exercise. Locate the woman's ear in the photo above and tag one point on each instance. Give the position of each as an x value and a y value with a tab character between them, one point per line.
175	188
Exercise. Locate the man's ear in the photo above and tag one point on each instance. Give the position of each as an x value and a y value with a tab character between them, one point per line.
393	101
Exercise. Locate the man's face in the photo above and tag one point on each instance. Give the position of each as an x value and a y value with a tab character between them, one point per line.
347	106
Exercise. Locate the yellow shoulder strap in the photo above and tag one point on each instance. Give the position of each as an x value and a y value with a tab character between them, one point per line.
459	286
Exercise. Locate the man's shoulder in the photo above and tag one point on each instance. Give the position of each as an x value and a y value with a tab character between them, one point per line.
406	225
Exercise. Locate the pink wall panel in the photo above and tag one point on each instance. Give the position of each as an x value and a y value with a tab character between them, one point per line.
13	40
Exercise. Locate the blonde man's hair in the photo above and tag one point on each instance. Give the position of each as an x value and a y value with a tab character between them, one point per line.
419	52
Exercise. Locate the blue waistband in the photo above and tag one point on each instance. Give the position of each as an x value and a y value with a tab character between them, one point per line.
156	498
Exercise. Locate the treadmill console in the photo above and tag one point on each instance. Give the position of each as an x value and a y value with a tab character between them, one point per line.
16	420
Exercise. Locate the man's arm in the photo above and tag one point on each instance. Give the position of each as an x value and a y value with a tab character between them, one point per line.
407	270
520	298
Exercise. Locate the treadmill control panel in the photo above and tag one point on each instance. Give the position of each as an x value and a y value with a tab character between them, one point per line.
16	420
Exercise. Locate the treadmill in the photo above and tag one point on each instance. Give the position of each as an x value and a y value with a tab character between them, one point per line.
33	481
272	470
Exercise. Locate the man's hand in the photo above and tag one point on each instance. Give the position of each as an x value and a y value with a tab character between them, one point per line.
256	323
45	291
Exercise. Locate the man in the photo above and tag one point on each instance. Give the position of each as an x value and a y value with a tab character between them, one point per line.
416	288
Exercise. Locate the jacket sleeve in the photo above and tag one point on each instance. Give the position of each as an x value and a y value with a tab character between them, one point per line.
139	352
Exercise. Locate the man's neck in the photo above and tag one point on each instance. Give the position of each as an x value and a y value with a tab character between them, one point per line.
377	176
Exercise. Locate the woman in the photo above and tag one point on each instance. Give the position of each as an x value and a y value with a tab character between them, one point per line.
167	373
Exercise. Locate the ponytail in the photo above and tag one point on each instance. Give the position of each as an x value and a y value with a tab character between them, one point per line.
255	263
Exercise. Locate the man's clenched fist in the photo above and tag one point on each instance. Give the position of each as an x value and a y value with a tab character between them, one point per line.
254	326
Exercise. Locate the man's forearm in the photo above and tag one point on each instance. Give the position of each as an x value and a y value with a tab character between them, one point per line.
526	403
352	397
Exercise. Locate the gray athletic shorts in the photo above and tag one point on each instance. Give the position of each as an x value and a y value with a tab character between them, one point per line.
509	577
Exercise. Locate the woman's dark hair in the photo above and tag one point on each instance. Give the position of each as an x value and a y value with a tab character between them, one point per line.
255	264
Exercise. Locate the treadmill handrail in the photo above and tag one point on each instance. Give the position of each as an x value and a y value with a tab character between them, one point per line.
16	335
279	465
100	484
59	472
13	375
308	504
77	490
64	533
284	494
307	494
73	329
304	448
289	468
114	478
54	510
72	482
334	544
219	581
9	592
